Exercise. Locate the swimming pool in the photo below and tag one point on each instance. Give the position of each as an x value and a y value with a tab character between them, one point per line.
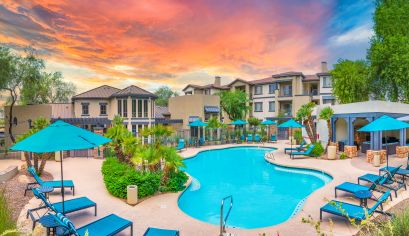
264	194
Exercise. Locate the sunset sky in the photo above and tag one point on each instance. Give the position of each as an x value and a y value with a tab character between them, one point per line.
150	43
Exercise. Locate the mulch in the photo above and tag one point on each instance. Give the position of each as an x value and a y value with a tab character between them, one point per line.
14	192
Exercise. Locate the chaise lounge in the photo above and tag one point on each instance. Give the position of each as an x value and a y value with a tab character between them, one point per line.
351	211
387	180
181	145
54	184
160	232
298	149
305	153
71	205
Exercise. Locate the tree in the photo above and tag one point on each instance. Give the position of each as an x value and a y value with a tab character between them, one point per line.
304	115
350	81
173	161
212	125
37	125
325	114
254	123
389	51
164	93
234	103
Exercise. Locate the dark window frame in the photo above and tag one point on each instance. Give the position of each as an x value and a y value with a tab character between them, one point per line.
269	106
255	106
85	105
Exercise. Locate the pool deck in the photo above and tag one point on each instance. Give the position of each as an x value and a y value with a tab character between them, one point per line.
162	211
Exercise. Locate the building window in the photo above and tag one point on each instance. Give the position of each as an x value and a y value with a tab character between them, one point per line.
287	91
139	108
85	109
145	108
207	91
258	106
328	101
189	93
272	88
133	107
140	128
103	109
271	106
125	107
326	82
120	107
134	131
258	89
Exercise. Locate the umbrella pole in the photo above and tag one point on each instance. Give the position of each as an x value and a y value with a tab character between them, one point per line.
386	145
291	139
62	182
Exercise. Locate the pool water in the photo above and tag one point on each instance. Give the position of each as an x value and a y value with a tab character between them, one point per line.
263	194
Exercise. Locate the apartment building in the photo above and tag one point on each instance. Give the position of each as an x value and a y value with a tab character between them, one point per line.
278	95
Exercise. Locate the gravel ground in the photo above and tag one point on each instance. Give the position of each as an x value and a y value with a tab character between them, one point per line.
14	192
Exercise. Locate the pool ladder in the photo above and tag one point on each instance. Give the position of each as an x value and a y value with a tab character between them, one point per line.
223	220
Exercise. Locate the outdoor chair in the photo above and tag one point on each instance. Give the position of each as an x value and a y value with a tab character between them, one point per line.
249	138
401	172
160	232
69	184
351	211
273	138
352	187
298	149
201	141
106	226
387	180
71	205
304	153
181	145
257	138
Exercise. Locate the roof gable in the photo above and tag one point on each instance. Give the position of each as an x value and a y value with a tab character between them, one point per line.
104	91
133	91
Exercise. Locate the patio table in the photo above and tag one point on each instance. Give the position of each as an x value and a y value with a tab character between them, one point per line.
363	196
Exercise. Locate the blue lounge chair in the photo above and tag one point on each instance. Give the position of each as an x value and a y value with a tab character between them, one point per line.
241	137
106	226
69	184
71	205
352	211
160	232
401	172
387	180
305	153
257	138
352	187
298	149
273	138
249	138
181	145
201	141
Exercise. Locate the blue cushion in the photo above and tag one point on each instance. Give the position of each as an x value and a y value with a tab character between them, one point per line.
57	183
74	204
351	187
345	209
109	225
160	232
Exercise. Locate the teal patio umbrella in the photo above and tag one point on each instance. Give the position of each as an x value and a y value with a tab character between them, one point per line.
384	123
58	137
268	123
197	123
290	124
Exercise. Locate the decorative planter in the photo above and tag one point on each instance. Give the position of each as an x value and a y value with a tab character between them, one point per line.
376	159
132	194
22	156
402	151
57	156
331	152
371	153
351	151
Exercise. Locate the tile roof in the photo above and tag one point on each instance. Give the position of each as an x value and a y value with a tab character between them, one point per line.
161	111
262	81
103	91
311	78
133	91
207	86
288	74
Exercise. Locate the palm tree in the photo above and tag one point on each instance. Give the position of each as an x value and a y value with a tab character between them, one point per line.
172	161
304	115
149	156
325	114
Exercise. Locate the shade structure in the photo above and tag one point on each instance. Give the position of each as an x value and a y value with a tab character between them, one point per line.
405	118
290	124
268	122
384	123
239	122
60	136
197	123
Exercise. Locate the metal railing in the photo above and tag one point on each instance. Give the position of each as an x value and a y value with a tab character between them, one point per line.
223	220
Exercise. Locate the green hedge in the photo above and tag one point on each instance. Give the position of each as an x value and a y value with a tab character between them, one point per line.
318	149
6	221
117	176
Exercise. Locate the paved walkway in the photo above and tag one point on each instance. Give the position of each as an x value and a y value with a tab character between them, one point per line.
162	211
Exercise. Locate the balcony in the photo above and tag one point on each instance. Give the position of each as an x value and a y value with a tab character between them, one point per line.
286	93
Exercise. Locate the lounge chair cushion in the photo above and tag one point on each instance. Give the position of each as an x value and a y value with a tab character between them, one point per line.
160	232
109	225
370	177
399	172
75	204
345	209
57	183
352	187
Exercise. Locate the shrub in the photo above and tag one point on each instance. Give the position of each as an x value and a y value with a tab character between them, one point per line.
175	182
117	176
318	149
298	136
343	156
6	221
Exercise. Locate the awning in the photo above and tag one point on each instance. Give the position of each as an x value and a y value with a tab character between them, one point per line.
212	109
193	118
85	121
329	97
168	121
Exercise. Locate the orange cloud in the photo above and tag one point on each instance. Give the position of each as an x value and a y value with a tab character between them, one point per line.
161	40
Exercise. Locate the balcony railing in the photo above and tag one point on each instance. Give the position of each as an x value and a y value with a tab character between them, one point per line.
286	93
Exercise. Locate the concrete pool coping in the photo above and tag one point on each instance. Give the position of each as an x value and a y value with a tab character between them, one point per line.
162	211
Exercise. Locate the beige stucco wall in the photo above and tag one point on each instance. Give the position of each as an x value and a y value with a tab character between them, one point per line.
94	109
181	107
23	114
298	101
